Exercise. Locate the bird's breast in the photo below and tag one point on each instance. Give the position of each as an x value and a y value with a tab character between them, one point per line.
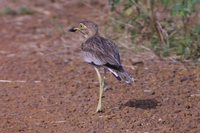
91	58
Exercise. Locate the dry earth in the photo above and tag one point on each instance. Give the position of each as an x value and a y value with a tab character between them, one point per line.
46	88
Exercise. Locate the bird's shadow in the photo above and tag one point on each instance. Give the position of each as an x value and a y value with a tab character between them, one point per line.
143	103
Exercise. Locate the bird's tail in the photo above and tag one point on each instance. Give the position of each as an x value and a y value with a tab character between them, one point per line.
122	75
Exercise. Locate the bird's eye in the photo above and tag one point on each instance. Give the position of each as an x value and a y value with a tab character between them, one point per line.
82	26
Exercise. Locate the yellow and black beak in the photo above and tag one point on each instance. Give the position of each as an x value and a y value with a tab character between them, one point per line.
80	28
73	29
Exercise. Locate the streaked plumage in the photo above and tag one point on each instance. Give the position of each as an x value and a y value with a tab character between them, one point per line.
100	51
103	52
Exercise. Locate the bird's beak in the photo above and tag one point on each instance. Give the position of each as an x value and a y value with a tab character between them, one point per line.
74	29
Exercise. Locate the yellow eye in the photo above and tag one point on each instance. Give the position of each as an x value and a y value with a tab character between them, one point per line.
82	26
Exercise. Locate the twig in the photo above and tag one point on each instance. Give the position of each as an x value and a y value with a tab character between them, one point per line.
57	122
10	81
17	81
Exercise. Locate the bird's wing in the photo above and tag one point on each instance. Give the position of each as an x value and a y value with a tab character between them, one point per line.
101	51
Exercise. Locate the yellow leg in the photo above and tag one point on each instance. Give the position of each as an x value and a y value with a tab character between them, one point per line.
101	87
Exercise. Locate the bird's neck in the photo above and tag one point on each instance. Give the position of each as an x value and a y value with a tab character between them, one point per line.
85	37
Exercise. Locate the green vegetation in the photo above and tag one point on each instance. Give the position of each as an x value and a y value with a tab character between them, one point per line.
170	27
23	10
8	11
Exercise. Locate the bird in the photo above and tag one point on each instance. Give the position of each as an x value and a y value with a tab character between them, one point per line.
101	52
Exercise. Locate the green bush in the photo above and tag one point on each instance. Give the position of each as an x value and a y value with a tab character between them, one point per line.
167	24
23	10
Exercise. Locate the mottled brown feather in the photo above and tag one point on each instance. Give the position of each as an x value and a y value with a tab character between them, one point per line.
103	49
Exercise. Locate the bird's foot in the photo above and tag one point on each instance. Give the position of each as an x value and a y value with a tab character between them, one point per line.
99	108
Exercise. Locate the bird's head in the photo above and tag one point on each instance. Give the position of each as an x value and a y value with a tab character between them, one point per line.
86	28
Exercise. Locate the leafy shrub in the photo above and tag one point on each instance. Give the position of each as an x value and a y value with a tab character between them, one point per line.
23	10
167	24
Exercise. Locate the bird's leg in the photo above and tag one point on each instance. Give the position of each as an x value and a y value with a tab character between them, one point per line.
101	87
103	79
105	87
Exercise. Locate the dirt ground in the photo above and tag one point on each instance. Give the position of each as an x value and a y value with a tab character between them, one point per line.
46	88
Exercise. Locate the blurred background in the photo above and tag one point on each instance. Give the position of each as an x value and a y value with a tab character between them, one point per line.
169	28
46	88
